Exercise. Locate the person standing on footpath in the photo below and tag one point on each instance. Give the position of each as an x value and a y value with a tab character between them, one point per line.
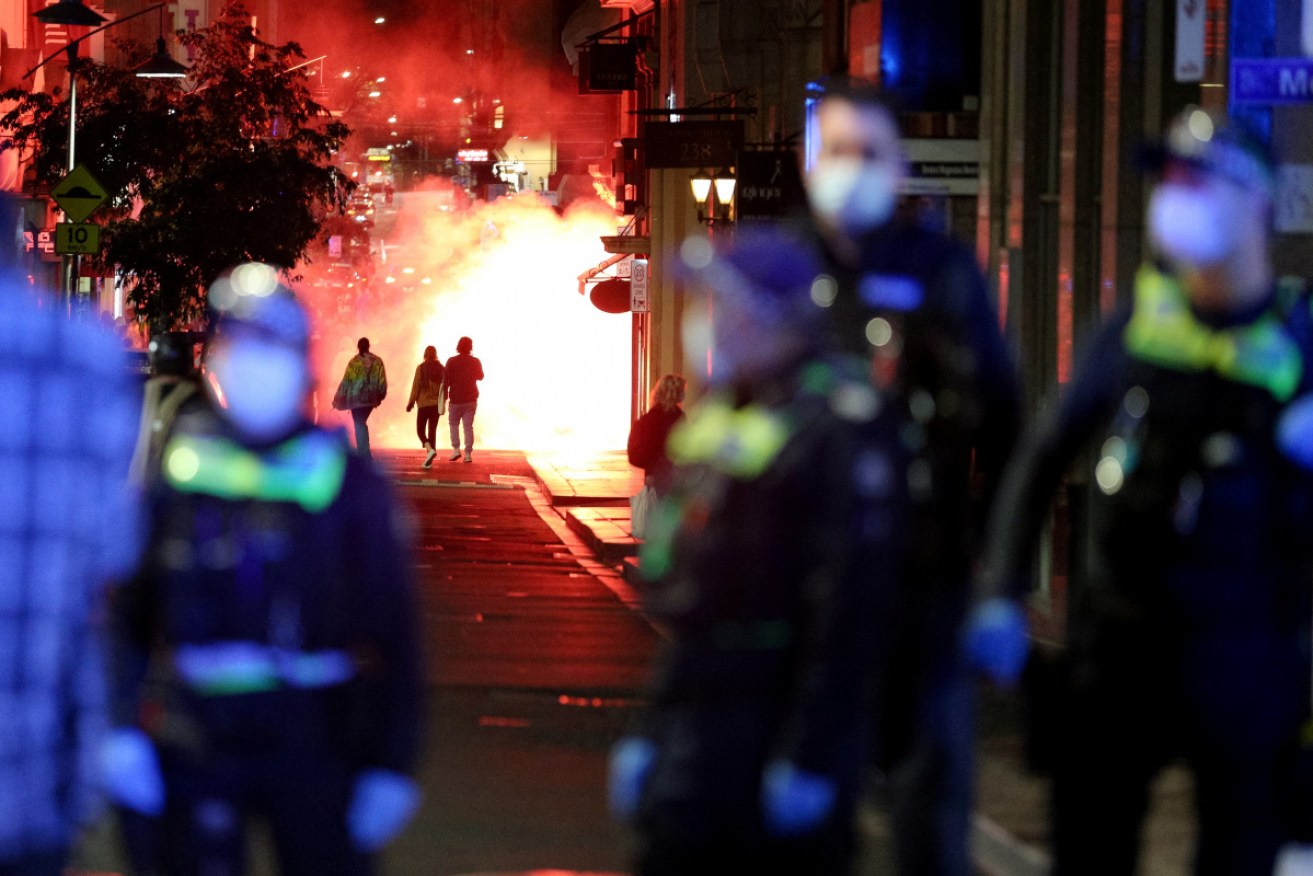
267	661
650	432
364	386
72	525
750	753
426	390
1189	634
647	449
913	304
462	391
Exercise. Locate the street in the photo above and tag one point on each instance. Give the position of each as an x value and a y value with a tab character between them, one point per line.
533	668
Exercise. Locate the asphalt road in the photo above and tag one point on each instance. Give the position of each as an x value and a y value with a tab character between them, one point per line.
534	665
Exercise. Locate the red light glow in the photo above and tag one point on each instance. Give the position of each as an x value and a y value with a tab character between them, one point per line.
504	274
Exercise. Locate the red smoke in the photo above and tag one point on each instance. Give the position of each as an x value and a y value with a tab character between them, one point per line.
504	274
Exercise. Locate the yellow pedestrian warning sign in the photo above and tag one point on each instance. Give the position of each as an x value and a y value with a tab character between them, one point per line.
78	194
77	238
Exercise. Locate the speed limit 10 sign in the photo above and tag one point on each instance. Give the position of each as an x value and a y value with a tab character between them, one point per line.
77	238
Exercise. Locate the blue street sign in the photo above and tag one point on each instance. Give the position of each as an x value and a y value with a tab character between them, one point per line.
1272	80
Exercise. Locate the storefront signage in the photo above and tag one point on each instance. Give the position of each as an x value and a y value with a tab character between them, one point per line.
1272	80
769	185
942	167
608	68
706	144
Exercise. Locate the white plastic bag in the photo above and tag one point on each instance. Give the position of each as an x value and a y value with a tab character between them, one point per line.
641	507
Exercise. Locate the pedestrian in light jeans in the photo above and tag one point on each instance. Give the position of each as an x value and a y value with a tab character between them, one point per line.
462	391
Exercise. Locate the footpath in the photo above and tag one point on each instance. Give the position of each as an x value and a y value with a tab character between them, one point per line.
1009	831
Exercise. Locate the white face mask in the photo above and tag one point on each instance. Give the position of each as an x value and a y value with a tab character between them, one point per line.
1190	226
852	195
258	386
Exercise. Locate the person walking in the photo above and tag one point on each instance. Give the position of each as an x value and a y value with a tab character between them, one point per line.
364	386
426	390
274	616
72	526
749	753
913	305
464	371
1189	620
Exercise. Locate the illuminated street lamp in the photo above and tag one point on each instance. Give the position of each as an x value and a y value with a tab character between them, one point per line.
700	183
714	196
160	65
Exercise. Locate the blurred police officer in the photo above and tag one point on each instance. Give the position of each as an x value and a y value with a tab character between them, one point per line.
273	618
173	385
1189	636
913	304
748	757
70	525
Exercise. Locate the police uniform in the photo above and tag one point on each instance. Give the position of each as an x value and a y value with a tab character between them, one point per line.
916	309
1189	636
755	569
274	621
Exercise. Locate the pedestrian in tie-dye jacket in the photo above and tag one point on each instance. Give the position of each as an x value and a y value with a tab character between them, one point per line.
363	388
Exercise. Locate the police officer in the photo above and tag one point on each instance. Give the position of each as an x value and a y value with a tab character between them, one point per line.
267	662
912	303
747	758
1189	635
171	387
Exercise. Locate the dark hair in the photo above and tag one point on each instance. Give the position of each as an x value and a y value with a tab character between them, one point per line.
363	345
430	350
464	345
855	90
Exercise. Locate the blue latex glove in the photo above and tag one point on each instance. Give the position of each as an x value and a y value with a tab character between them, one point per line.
1295	431
996	640
631	763
793	800
383	804
130	771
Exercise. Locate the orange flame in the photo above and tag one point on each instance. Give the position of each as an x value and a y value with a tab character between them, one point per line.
502	273
602	187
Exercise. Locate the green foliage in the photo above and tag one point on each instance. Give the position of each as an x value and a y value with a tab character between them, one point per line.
233	166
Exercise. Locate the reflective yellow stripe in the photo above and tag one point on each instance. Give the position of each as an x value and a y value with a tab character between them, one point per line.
227	668
1164	331
742	443
307	470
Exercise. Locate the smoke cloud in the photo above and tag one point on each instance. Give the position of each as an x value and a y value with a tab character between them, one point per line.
504	274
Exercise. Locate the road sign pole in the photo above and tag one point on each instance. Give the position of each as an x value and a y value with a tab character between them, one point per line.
71	265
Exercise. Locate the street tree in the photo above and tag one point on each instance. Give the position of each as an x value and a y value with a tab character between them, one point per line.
233	165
